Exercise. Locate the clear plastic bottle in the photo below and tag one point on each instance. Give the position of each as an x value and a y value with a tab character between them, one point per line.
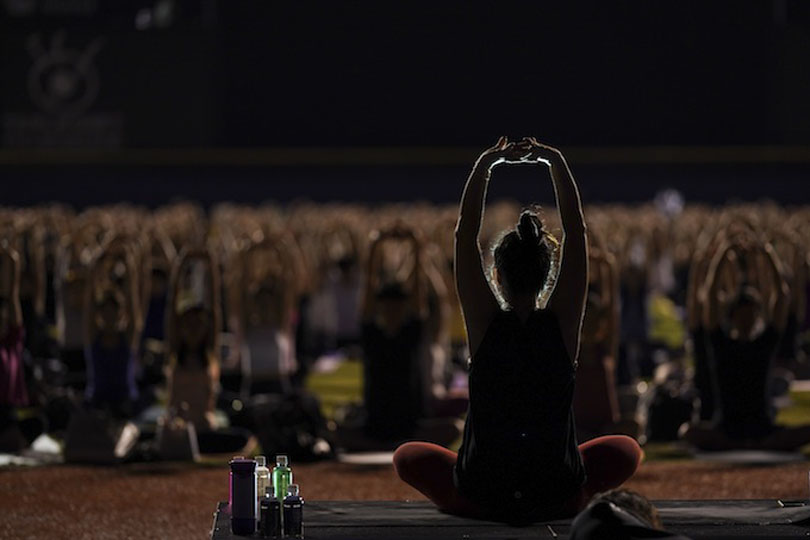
262	476
271	515
282	476
293	513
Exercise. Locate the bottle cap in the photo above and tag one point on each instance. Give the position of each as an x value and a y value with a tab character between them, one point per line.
261	461
242	466
292	490
270	491
281	460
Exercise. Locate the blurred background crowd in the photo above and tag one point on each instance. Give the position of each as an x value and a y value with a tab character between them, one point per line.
695	327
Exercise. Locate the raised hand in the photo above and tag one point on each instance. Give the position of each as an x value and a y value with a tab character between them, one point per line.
541	152
505	152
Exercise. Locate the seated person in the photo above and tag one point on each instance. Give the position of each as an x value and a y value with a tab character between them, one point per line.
13	389
394	316
743	335
155	312
30	248
112	330
264	316
193	329
704	384
519	461
193	326
394	329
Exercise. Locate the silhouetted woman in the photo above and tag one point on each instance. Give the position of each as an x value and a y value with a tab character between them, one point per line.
519	460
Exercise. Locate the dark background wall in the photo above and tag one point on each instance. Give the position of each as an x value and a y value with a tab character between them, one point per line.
153	186
129	75
626	72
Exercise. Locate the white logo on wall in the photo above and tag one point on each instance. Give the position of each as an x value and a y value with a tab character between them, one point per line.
63	81
20	8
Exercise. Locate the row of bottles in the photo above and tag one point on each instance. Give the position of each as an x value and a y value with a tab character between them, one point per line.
276	517
277	509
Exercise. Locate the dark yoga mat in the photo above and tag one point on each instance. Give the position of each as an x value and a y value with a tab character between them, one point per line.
338	520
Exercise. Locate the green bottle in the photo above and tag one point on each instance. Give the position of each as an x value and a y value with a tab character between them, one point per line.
282	477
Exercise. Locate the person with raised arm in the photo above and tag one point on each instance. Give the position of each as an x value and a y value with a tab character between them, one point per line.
394	315
192	329
264	322
193	325
519	460
743	330
112	331
13	390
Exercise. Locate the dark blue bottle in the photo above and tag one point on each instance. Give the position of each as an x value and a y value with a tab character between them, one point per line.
271	515
293	513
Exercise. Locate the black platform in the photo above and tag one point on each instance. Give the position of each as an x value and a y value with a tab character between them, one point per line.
359	520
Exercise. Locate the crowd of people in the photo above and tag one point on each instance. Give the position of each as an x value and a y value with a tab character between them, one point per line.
695	318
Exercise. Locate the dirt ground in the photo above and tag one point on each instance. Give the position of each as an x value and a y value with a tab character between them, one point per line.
178	501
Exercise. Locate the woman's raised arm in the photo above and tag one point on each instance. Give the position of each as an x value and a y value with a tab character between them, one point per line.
373	262
567	301
710	300
777	311
478	303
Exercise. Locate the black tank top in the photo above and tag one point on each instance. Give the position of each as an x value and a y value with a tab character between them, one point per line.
519	456
743	373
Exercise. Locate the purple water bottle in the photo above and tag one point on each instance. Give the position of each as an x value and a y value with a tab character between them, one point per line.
230	483
243	496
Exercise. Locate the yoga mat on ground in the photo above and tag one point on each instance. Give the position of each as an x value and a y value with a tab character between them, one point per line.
338	520
753	512
751	457
367	458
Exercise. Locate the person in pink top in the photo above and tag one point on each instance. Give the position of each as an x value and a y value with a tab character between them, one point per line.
13	392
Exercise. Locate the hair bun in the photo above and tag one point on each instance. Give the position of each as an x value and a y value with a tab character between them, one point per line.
529	227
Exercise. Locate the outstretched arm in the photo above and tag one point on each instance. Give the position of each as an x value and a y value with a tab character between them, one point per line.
780	307
37	262
697	276
132	301
215	301
436	283
170	319
710	300
372	276
417	286
799	291
93	274
568	299
11	283
611	286
478	303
